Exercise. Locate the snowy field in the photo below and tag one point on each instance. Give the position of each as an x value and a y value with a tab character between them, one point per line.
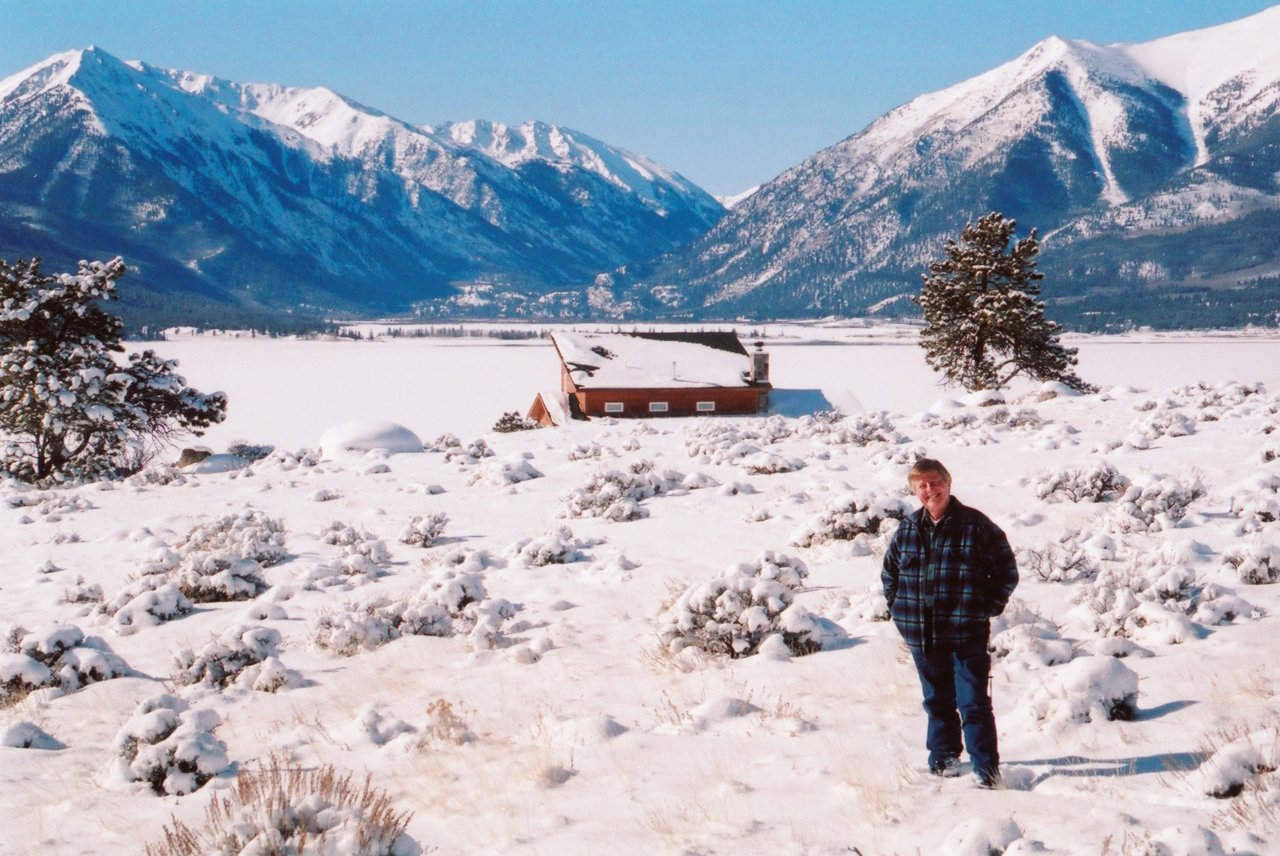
500	630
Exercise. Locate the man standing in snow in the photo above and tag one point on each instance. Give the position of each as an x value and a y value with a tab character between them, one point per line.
948	571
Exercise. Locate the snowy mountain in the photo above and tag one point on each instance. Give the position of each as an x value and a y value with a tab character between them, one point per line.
1143	166
222	194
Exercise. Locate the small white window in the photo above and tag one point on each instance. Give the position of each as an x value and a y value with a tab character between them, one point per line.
657	407
613	407
706	406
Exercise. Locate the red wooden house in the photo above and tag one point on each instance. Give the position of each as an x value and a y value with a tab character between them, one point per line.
654	374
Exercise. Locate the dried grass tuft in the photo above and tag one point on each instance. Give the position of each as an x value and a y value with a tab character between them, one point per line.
278	809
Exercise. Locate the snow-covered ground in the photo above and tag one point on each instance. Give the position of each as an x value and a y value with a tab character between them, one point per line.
497	629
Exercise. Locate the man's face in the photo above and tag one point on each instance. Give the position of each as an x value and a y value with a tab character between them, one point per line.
933	492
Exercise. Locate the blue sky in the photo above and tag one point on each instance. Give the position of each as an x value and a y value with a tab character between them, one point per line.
728	93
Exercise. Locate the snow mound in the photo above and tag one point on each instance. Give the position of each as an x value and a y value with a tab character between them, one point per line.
366	436
1090	689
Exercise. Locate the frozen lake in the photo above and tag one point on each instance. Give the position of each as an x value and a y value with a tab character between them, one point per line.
287	392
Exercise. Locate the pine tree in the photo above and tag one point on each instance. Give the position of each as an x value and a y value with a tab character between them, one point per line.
984	321
68	408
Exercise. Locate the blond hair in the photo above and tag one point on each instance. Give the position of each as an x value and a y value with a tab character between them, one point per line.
927	465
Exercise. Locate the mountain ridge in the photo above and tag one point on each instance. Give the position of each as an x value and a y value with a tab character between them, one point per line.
1088	143
1151	172
287	198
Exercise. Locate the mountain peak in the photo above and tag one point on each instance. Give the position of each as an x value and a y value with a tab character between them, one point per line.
83	71
54	71
536	140
1200	61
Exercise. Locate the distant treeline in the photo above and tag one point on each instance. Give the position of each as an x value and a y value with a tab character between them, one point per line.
445	332
146	315
459	331
1255	304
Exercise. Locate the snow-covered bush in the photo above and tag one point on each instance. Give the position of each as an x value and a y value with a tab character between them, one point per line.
854	516
452	601
170	746
250	452
356	542
472	452
156	475
734	613
1066	560
1256	501
898	456
217	577
1099	483
501	472
1155	503
1022	419
616	494
248	535
57	506
511	421
424	530
82	592
1022	636
585	452
146	602
986	836
223	659
1255	564
56	656
362	556
28	735
1088	689
26	498
556	547
282	461
862	605
719	442
1156	598
769	463
698	481
1162	422
860	430
443	443
161	560
1217	401
1242	760
282	809
465	560
365	626
952	422
1217	605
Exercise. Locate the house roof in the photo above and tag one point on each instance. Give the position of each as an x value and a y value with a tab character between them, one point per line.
560	407
653	360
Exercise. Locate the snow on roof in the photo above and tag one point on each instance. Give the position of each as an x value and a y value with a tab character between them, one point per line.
625	361
556	404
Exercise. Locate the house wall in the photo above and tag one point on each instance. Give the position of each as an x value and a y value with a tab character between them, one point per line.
566	380
680	402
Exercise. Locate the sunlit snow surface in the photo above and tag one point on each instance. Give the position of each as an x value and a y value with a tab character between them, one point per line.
575	732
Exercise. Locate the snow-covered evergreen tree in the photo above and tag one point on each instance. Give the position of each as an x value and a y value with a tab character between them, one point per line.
68	409
984	321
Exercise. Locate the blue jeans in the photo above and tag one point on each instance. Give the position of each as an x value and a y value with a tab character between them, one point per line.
954	681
